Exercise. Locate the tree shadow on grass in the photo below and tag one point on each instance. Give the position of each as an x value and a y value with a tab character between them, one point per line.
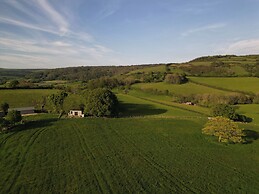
34	124
251	135
130	109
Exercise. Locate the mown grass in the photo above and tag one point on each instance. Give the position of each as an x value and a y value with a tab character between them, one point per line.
245	84
182	89
137	106
250	110
168	100
24	97
127	155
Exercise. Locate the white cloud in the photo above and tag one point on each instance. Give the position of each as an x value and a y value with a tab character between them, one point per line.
250	46
204	28
52	14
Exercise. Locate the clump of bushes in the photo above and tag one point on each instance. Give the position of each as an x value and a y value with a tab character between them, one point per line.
225	129
176	78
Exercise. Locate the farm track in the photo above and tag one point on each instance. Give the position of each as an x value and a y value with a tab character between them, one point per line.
15	174
100	182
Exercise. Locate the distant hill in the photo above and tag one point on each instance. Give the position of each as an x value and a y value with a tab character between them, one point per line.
208	66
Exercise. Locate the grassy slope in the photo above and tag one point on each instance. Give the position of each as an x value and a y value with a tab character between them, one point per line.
167	100
124	156
135	106
184	89
23	97
246	84
250	110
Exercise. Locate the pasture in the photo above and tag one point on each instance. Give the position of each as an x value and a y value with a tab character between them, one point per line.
126	155
182	89
24	97
244	84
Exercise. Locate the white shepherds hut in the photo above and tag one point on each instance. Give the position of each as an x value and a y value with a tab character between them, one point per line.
76	113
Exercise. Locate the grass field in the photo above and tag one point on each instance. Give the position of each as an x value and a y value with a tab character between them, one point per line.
167	100
183	89
246	84
127	155
23	97
135	106
250	110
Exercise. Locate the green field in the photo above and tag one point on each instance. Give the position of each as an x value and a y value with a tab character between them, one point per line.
23	97
126	155
168	101
183	89
250	110
135	106
246	84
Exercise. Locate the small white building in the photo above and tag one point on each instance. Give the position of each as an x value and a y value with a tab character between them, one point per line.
76	113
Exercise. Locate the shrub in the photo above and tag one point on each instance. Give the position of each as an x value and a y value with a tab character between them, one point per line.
13	116
225	129
175	78
225	110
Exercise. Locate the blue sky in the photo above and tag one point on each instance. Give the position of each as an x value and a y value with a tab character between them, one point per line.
61	33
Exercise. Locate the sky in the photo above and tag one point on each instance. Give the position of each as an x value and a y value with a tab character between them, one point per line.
62	33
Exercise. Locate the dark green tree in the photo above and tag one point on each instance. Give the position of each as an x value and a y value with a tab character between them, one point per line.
102	103
175	78
225	110
4	107
13	84
13	116
54	102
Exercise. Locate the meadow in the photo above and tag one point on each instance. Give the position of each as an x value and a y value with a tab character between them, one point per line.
243	84
152	148
125	155
24	97
183	89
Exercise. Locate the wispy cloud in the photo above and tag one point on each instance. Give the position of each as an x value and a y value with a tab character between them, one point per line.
26	25
204	29
250	46
52	14
55	40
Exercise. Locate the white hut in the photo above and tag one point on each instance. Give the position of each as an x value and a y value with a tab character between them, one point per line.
76	113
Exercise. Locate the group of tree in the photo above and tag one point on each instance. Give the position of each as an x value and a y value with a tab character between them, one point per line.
99	102
176	78
10	117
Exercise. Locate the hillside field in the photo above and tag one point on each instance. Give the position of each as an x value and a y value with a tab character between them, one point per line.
182	89
245	84
24	97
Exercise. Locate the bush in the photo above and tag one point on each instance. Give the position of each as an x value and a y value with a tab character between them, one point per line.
225	129
102	103
225	110
14	116
175	78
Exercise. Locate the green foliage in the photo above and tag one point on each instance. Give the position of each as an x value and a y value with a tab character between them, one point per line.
54	102
225	129
101	103
176	78
4	107
13	84
225	110
13	116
